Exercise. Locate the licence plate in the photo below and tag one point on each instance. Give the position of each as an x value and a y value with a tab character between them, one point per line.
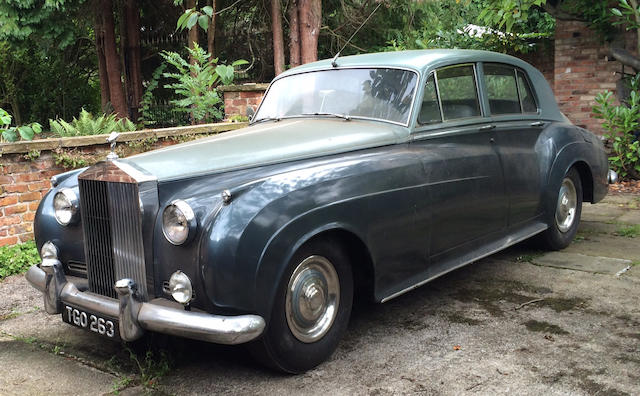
95	323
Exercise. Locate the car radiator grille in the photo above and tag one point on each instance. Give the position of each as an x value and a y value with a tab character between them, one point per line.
113	239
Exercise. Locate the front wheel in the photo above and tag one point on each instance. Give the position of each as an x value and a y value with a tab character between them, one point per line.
311	309
563	225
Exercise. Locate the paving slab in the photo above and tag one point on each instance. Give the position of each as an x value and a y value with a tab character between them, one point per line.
582	262
27	369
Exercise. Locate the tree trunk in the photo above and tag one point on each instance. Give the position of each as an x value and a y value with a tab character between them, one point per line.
124	54
15	110
102	66
211	32
294	34
193	32
310	14
112	61
278	40
132	13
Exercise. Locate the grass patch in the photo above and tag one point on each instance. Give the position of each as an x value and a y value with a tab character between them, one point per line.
17	259
630	231
151	367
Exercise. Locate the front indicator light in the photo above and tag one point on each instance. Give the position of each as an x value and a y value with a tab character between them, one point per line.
180	287
49	251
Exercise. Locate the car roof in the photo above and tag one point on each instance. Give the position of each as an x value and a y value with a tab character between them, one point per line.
419	60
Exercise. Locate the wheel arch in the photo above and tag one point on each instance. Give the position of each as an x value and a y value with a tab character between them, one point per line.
586	179
274	261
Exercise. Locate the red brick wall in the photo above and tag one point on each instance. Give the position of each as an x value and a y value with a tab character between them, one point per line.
22	184
582	70
238	97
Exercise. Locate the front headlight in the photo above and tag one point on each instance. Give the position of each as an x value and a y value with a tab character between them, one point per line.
65	205
178	222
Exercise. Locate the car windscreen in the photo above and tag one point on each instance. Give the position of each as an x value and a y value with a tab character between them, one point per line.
374	93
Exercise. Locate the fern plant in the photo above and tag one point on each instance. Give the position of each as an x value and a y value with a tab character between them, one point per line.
87	124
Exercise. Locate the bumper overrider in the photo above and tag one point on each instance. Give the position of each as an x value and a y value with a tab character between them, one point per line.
135	316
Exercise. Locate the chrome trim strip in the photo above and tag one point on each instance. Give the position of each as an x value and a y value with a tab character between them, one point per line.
135	316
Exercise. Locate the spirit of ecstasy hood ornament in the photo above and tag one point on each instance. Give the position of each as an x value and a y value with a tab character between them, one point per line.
112	140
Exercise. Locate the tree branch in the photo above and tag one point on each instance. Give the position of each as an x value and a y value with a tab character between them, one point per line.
625	57
556	12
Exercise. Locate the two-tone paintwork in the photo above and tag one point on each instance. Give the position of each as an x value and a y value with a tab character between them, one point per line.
413	202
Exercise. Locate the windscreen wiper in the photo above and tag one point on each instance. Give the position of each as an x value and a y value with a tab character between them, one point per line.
276	119
343	116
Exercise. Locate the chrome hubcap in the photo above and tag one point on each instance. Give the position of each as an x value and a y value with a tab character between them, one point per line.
312	299
567	205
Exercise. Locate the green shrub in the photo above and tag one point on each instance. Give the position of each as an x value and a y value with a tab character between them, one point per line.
87	124
620	123
11	134
196	83
17	258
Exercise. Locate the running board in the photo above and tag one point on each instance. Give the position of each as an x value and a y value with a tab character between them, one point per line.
437	270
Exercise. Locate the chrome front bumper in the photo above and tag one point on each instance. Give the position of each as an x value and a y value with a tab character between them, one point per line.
136	316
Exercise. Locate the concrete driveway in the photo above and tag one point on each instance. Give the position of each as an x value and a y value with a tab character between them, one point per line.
519	322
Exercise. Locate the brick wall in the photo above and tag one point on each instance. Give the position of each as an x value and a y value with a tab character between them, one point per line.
25	178
582	70
238	97
23	183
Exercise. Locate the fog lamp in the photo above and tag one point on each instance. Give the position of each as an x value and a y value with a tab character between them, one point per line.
49	251
65	205
180	287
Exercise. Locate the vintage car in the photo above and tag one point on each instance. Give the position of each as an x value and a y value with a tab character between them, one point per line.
365	176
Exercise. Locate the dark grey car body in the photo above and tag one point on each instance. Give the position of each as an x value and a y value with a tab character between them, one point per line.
411	202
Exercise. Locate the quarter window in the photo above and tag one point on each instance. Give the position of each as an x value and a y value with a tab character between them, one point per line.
430	109
526	96
458	92
502	89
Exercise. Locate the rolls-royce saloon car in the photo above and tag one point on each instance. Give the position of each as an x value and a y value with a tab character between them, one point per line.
364	176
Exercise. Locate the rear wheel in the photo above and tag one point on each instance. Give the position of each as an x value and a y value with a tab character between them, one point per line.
311	309
563	225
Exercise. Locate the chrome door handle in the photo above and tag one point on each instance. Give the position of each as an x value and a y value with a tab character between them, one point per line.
492	140
537	124
486	127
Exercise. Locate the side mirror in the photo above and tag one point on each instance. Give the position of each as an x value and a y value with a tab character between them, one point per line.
251	111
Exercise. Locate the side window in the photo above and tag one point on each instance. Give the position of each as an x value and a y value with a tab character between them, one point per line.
458	92
502	89
430	109
526	96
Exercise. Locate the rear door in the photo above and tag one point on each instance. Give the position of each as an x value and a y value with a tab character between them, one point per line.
514	113
464	192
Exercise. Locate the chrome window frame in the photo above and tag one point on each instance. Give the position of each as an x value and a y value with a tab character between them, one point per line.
411	108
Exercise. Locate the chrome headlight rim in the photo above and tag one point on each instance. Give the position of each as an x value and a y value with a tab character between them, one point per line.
72	206
189	217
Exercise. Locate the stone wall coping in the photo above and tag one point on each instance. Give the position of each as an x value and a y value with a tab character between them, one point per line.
244	87
79	141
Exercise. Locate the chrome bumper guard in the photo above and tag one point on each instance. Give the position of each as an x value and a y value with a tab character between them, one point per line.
136	316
